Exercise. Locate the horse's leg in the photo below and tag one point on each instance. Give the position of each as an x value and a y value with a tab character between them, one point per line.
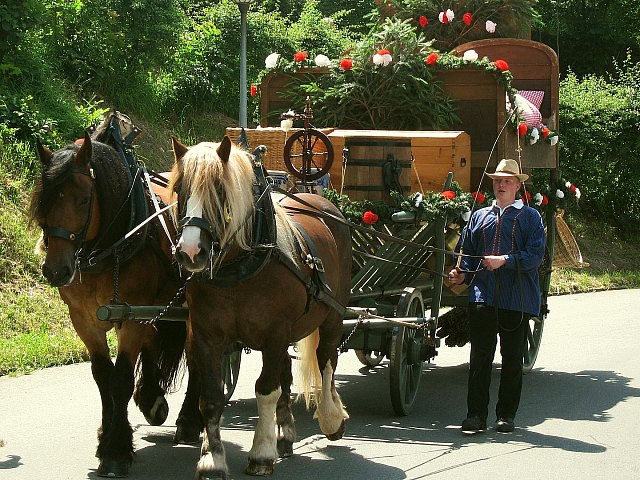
264	451
189	424
330	412
149	396
208	366
284	416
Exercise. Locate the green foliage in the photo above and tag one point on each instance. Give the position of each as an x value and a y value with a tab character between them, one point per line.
512	17
590	33
600	144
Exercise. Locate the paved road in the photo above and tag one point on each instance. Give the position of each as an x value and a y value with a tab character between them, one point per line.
579	418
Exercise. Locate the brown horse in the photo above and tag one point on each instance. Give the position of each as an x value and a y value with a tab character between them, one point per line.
273	274
86	201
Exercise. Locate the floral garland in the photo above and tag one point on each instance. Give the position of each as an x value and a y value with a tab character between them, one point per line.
455	203
436	60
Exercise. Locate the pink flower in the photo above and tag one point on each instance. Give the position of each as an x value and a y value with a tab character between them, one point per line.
449	194
479	197
501	65
432	59
300	56
254	90
423	21
467	18
369	217
346	64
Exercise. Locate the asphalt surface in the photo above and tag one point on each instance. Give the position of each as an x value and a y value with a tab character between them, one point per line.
579	417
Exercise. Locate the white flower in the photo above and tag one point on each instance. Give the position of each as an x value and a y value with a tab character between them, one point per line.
287	123
567	184
449	14
419	199
383	60
553	140
490	26
322	61
577	192
535	135
537	199
470	56
272	60
559	193
466	215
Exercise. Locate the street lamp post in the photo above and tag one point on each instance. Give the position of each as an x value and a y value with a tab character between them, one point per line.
243	5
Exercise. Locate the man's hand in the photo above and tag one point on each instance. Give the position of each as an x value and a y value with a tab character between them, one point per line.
493	262
456	276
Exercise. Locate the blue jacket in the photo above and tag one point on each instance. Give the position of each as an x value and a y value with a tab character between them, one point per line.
517	233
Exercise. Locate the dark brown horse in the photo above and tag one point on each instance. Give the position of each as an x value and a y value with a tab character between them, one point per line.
273	274
86	201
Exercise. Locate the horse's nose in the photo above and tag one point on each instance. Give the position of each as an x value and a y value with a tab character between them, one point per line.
188	249
57	277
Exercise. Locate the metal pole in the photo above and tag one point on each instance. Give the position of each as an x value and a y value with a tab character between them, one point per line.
244	8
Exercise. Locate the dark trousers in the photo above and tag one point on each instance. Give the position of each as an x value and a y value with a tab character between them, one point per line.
485	324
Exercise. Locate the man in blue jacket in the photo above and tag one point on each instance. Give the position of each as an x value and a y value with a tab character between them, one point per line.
503	246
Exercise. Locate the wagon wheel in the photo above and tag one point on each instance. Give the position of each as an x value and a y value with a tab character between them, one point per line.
532	345
230	371
405	366
369	358
307	149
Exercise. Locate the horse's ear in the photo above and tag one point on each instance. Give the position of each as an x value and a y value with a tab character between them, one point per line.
83	157
224	149
179	150
44	154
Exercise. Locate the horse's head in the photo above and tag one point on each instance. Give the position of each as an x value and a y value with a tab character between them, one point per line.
215	208
65	206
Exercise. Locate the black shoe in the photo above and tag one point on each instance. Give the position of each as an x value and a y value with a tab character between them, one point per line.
474	424
505	425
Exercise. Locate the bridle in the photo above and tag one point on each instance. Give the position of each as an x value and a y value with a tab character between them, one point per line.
77	239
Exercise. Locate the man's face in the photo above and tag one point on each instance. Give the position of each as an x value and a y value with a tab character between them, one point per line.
505	188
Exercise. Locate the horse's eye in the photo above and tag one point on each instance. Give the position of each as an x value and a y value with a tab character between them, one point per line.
84	201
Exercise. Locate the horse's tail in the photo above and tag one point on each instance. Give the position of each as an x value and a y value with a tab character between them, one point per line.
309	372
172	337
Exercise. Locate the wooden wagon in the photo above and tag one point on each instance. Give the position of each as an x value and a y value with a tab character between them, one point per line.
394	307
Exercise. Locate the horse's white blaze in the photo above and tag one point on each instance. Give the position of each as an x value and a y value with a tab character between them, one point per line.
331	411
264	439
190	238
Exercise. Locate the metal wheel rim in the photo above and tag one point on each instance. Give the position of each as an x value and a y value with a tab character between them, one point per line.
370	358
532	343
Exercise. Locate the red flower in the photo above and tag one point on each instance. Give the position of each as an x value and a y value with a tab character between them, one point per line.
346	64
423	21
369	217
572	188
527	196
449	194
432	59
383	52
479	197
467	18
545	132
545	199
300	56
501	65
522	129
254	90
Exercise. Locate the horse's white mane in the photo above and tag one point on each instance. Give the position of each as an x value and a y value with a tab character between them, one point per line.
226	191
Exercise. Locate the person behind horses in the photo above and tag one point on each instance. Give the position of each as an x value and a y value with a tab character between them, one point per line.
503	247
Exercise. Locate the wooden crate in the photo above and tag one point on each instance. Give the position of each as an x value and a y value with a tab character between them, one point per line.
273	138
433	154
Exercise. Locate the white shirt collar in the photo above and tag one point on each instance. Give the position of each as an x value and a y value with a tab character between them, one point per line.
517	204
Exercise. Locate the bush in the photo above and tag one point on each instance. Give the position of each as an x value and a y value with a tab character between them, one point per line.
600	145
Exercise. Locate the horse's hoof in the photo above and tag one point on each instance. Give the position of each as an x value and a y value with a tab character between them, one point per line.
212	476
187	434
158	412
113	468
259	467
337	435
285	448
